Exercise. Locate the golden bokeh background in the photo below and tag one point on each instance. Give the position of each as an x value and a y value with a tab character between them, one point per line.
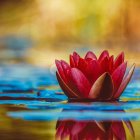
57	27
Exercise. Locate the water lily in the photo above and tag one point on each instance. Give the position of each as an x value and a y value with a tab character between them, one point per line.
92	130
101	78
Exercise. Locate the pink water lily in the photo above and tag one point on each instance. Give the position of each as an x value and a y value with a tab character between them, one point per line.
95	78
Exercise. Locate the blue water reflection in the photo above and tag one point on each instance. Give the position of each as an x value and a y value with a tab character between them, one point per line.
75	115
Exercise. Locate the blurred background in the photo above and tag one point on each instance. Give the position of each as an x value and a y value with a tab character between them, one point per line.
39	31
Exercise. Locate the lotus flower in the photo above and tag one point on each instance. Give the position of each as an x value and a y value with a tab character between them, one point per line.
95	78
92	130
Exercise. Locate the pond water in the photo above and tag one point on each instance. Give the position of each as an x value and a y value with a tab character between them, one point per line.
32	106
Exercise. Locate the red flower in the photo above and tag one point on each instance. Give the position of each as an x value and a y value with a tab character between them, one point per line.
94	78
92	130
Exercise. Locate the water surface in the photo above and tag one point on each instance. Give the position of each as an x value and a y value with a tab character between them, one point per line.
32	106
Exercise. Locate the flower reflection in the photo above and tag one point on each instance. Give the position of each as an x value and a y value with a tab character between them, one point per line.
94	78
92	130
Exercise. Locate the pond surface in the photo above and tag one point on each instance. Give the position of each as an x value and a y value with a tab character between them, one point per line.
32	106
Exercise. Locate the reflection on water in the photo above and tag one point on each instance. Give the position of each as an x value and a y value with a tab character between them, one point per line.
92	130
47	113
32	106
103	125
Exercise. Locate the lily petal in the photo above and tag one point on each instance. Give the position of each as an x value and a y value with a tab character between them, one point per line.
83	66
76	58
104	64
66	68
102	88
118	75
94	70
80	82
125	82
90	68
69	92
60	70
72	62
103	55
90	55
111	61
119	60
